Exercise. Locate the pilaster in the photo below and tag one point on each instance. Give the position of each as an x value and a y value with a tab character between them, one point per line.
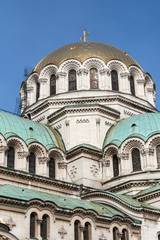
43	88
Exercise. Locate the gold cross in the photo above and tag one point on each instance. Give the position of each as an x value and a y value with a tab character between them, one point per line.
84	36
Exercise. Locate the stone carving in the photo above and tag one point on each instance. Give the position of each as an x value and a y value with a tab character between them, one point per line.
2	237
22	155
62	232
108	123
102	237
43	160
82	121
129	113
62	165
9	222
73	172
94	170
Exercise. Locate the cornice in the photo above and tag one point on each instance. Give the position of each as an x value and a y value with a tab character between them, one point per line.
107	99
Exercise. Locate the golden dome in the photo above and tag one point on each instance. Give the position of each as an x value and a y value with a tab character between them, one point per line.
83	50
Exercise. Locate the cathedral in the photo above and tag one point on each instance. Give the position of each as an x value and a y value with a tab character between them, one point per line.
82	161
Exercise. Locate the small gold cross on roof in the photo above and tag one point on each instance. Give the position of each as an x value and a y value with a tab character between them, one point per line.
84	36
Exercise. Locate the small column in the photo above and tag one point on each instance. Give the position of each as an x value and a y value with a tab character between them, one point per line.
124	84
39	222
22	161
63	170
43	166
124	164
106	172
67	133
105	83
62	83
140	88
30	97
82	74
43	88
3	149
98	129
150	96
147	154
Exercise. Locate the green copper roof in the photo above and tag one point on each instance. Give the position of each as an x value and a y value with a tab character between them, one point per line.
142	126
25	194
148	191
12	125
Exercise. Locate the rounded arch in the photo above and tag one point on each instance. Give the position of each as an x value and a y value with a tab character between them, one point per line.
47	71
94	63
17	143
109	151
136	72
131	143
117	66
37	149
70	64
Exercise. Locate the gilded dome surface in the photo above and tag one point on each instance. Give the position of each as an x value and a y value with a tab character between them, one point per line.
83	50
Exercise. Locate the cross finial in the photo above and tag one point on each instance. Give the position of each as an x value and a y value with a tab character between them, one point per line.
84	36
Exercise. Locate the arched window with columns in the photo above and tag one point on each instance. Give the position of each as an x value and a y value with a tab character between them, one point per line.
53	84
10	158
115	166
87	231
114	80
52	168
94	78
33	222
125	235
115	233
158	155
77	230
136	160
45	227
32	163
72	80
132	85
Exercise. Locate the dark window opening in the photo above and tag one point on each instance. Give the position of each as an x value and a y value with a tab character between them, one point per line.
87	231
76	230
53	84
32	163
114	80
115	166
10	158
132	86
93	78
33	225
52	168
44	227
37	91
136	161
158	156
72	80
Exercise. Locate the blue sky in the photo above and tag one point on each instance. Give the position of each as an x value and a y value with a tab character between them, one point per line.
30	29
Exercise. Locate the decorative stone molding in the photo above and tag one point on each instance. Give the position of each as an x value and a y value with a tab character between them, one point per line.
62	165
43	160
43	80
102	237
82	121
141	81
108	123
149	151
2	237
94	170
150	90
128	113
39	221
67	122
61	74
124	74
105	163
9	222
81	71
3	148
62	232
104	71
22	155
58	126
98	120
40	119
124	156
73	171
94	63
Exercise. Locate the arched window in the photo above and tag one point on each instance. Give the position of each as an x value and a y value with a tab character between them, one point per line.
115	166
72	80
136	161
93	78
87	231
158	156
53	84
132	87
125	235
52	168
44	227
114	80
115	233
32	163
33	218
77	230
10	158
37	91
